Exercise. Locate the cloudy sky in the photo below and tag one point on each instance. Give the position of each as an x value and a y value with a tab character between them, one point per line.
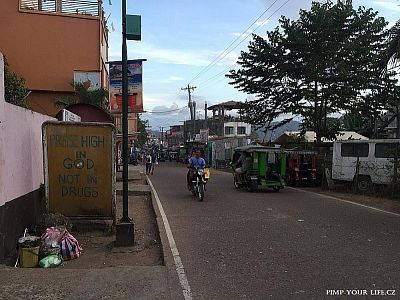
197	42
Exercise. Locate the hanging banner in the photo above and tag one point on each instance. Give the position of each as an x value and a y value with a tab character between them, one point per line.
135	86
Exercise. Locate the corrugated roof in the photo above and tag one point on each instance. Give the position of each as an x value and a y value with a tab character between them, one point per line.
311	136
228	105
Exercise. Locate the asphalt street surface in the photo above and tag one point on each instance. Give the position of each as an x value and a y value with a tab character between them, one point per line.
286	245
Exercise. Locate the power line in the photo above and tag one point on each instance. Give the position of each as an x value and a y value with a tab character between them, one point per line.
218	58
166	111
203	84
212	83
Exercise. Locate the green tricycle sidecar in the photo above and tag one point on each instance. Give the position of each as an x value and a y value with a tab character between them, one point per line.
258	167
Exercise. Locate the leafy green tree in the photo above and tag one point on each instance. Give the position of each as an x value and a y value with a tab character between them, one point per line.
15	90
325	62
391	56
141	126
98	97
354	122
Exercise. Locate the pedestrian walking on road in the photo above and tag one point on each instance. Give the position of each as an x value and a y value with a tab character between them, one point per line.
148	163
154	161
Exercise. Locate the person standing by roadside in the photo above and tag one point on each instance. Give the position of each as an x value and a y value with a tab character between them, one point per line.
149	163
154	161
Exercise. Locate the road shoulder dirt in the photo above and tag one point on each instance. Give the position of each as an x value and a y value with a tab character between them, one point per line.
390	205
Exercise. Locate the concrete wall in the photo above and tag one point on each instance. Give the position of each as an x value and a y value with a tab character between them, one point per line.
21	155
235	126
21	170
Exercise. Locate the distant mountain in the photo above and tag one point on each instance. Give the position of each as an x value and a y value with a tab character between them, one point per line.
157	133
291	126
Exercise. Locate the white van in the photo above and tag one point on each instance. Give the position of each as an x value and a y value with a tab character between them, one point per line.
376	161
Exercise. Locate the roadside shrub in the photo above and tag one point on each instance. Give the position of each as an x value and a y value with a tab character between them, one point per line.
15	89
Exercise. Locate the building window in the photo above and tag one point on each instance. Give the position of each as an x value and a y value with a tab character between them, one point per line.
386	150
229	130
241	130
83	7
355	150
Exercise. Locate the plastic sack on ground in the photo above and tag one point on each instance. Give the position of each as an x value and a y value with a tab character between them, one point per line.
70	248
51	241
50	261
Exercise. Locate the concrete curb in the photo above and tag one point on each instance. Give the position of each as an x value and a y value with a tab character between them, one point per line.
135	193
169	262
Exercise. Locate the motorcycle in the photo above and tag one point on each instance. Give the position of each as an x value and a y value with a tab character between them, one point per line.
199	181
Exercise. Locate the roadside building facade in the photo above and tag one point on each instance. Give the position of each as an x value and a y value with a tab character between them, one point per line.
52	43
175	136
224	132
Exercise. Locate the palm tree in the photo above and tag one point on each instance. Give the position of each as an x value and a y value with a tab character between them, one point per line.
98	97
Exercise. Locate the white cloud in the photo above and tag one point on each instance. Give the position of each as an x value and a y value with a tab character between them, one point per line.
167	115
390	5
262	23
230	59
175	78
242	34
151	100
198	58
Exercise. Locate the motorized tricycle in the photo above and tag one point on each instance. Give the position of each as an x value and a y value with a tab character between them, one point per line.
301	168
258	167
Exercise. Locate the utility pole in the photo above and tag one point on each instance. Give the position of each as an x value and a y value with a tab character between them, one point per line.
125	217
194	120
397	122
205	115
191	105
162	136
125	230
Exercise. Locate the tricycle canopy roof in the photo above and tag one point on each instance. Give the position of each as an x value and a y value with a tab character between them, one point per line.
258	149
301	152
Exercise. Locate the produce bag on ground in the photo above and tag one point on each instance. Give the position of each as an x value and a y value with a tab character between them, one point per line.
51	241
70	248
50	261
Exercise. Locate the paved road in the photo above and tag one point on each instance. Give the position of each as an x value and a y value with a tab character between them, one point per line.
286	245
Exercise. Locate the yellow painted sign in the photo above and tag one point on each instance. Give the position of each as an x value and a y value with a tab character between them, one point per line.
79	169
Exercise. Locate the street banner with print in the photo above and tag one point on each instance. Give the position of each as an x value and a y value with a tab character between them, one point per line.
135	86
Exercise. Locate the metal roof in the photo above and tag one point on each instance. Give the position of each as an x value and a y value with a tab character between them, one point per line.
306	152
258	149
228	105
370	141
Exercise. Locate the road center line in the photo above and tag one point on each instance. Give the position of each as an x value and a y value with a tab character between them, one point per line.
187	294
347	201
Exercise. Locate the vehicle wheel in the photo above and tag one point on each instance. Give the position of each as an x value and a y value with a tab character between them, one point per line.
194	191
364	184
276	188
235	182
252	185
201	192
289	180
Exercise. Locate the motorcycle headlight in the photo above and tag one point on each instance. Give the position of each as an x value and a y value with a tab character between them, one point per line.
200	172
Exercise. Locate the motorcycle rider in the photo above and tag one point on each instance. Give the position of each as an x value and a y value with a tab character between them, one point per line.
195	162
